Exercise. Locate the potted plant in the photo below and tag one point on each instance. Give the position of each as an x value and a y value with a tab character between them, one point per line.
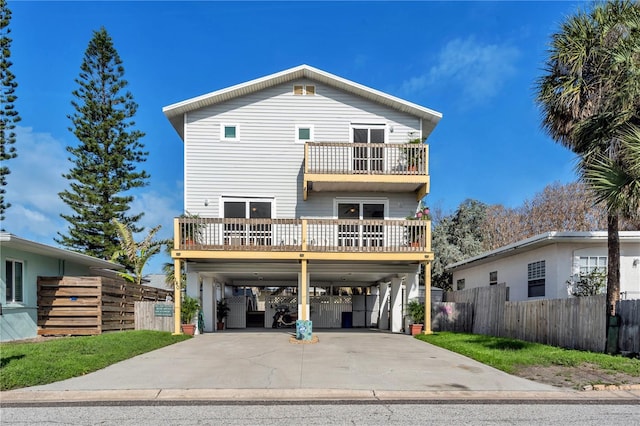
191	229
415	310
415	233
414	155
222	311
188	309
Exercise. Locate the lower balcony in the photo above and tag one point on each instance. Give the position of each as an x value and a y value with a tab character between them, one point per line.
325	239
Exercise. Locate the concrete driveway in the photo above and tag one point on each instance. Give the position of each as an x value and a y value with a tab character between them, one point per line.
341	360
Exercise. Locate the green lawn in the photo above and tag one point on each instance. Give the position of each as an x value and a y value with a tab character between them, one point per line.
509	354
39	363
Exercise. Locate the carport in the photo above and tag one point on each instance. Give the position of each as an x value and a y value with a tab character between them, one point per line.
384	288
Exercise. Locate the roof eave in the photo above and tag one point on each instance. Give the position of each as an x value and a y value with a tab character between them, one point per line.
175	112
18	243
544	239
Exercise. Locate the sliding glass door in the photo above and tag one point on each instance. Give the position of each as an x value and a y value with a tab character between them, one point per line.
371	157
361	234
241	233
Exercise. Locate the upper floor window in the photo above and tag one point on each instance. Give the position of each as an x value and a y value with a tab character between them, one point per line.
304	90
229	132
460	284
493	278
536	273
304	133
14	280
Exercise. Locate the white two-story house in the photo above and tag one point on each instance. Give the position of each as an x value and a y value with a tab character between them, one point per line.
303	179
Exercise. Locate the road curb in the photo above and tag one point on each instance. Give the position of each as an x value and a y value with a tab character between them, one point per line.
316	396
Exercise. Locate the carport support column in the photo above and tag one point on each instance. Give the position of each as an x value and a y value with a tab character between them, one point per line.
303	291
208	302
383	322
427	298
177	299
396	305
193	287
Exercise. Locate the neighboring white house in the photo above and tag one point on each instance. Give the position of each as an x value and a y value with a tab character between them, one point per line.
304	179
540	266
22	262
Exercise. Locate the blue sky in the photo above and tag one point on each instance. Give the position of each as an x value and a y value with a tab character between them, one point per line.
475	62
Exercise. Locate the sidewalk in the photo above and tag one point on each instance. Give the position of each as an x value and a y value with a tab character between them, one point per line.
263	366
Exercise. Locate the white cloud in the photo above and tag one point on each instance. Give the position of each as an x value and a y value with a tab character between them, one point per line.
158	210
34	184
478	71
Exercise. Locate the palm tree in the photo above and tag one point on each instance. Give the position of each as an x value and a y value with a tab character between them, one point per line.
136	253
616	182
169	269
590	93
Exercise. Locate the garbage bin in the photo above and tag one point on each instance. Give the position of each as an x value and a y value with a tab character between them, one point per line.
347	319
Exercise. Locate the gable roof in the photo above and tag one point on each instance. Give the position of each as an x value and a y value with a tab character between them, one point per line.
542	240
175	112
17	243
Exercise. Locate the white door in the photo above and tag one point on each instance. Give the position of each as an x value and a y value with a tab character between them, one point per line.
239	233
370	158
361	234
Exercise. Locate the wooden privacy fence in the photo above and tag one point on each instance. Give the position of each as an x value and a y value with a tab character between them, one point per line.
487	305
573	323
450	316
629	333
89	305
154	316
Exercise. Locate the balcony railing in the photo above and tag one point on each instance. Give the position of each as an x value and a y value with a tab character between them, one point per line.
303	235
366	158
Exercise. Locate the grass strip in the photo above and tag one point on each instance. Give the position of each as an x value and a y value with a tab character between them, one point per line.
38	363
509	354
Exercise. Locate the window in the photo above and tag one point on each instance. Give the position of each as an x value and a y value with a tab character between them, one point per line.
493	278
300	90
589	263
460	284
229	132
536	278
304	133
14	274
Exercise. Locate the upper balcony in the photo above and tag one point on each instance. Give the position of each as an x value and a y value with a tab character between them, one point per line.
295	239
363	167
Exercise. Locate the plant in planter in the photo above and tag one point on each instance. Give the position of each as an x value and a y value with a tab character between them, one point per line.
415	309
414	155
188	310
222	311
191	229
415	234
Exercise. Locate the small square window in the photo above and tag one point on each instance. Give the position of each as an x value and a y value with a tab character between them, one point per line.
493	278
304	133
300	90
460	284
229	132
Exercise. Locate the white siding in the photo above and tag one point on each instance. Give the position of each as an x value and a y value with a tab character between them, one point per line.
266	161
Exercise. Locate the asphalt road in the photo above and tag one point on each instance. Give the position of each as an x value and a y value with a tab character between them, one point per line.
321	414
